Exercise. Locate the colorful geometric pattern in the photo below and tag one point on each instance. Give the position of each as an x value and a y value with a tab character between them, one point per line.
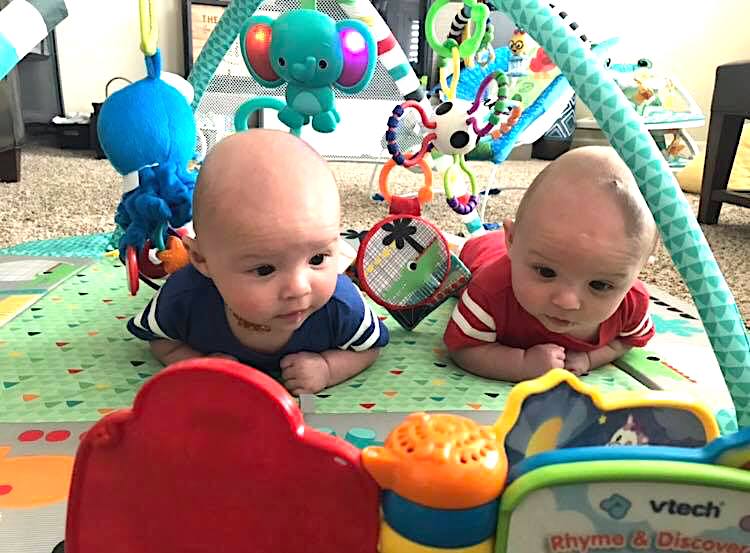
24	280
94	245
69	357
679	229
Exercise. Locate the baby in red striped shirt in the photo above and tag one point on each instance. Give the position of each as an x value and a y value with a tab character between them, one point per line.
558	287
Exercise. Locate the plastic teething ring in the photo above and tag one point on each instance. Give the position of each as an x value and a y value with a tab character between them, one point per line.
424	194
479	15
131	267
456	204
390	135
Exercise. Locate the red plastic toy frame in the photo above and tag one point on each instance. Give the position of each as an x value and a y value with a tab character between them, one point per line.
215	456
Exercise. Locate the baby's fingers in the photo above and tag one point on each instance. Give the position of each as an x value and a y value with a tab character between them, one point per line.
287	361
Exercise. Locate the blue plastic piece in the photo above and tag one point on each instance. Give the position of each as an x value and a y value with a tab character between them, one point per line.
446	528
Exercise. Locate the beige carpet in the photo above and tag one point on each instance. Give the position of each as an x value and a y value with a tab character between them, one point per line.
65	193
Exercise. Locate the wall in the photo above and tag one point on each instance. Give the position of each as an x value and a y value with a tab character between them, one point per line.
100	39
687	38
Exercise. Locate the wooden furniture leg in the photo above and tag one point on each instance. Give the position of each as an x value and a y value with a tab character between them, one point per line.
723	138
10	165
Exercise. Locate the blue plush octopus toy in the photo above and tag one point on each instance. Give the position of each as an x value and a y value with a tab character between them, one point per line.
148	132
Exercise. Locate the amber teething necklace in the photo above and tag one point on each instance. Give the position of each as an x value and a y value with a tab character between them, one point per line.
244	323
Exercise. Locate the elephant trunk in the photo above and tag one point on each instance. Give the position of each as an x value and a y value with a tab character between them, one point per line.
304	72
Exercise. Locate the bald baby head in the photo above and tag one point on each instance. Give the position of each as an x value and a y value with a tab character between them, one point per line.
267	170
590	171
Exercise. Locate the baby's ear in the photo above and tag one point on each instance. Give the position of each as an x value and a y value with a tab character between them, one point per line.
509	229
197	259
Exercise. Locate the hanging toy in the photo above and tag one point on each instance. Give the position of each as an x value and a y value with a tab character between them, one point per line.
461	31
403	262
148	133
313	55
454	131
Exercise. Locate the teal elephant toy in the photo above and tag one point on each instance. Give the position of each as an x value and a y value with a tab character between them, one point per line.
312	54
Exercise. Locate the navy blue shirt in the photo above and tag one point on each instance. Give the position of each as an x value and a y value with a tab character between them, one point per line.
188	308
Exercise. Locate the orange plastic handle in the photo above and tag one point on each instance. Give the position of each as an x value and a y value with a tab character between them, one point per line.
424	194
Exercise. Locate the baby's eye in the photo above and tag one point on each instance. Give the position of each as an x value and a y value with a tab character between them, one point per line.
545	272
264	270
318	259
600	285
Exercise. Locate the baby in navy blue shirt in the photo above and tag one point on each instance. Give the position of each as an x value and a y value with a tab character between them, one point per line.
263	285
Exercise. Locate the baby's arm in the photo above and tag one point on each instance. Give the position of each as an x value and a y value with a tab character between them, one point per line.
500	362
602	356
358	334
309	373
473	338
163	322
637	330
171	351
343	364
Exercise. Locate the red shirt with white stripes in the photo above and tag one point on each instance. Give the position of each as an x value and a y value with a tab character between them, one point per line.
488	311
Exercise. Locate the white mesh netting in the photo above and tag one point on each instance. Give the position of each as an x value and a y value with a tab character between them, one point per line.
364	116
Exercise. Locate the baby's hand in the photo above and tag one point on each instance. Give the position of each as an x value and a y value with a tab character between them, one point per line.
577	362
304	372
537	360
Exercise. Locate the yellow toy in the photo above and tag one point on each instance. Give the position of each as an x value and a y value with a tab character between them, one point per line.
691	177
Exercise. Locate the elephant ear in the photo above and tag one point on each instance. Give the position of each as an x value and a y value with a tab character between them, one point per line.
359	53
255	43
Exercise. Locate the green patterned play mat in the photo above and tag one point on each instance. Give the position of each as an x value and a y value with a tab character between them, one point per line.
68	357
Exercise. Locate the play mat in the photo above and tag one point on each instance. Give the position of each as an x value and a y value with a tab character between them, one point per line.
67	360
67	356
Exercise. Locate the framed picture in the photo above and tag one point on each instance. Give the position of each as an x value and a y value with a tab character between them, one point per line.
199	17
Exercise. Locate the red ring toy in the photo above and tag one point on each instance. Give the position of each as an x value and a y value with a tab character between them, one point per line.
131	266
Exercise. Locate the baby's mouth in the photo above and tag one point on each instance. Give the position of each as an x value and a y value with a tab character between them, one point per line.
558	321
293	314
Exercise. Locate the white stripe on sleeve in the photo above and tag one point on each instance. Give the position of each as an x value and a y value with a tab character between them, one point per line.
363	326
477	311
469	330
646	321
153	325
374	335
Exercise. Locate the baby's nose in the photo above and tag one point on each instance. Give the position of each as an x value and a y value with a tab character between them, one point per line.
297	285
566	298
